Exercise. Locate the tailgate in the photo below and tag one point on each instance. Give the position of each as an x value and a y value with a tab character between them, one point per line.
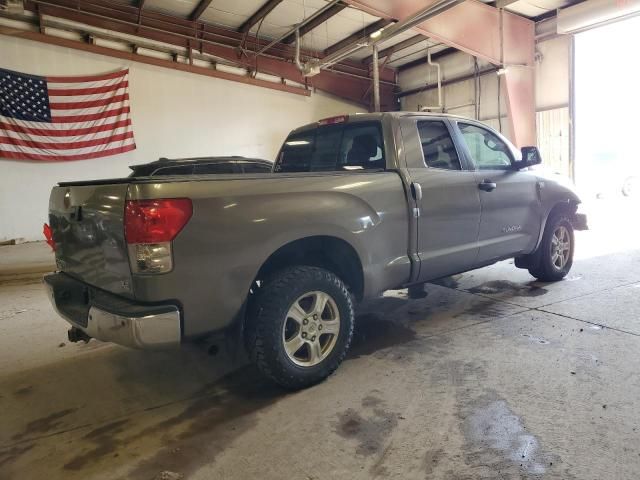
88	229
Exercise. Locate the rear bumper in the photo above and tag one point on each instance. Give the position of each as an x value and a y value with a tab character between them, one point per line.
110	318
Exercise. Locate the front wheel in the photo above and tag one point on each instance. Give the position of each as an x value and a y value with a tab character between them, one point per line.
555	252
301	326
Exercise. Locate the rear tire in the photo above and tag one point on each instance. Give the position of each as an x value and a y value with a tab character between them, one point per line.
554	255
300	326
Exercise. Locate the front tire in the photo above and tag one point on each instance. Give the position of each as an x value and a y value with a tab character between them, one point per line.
300	326
555	252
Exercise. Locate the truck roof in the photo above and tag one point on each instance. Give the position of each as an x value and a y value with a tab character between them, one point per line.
364	117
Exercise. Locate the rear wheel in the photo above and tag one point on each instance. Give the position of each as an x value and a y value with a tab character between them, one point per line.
301	326
555	252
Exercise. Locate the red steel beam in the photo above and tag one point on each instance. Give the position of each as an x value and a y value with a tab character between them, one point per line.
500	37
347	82
111	52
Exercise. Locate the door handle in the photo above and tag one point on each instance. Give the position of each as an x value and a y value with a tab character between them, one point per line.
416	191
487	186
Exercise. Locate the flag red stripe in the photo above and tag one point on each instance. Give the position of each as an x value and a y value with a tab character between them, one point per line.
65	146
56	158
65	133
88	78
67	92
89	116
89	104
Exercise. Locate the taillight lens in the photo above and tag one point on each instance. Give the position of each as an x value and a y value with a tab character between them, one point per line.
155	221
150	226
48	235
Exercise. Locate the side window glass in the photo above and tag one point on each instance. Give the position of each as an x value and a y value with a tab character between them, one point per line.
174	170
361	148
488	151
296	152
437	146
221	167
248	167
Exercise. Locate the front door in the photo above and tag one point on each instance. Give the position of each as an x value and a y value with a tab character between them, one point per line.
447	198
511	212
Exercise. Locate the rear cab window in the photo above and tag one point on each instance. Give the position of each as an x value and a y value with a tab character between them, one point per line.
333	148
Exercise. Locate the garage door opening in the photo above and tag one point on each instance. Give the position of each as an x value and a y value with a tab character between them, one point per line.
607	102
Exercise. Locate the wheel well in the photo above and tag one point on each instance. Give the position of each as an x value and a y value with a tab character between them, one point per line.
330	253
567	207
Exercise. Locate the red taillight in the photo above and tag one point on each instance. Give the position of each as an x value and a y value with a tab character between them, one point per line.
155	221
48	234
333	120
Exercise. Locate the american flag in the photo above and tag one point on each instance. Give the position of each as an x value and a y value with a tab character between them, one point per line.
64	118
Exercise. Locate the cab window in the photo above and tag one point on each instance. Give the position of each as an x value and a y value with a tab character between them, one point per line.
488	151
437	146
341	147
217	167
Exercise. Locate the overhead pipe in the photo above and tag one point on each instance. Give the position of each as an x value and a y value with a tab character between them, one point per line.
315	65
296	58
376	79
437	66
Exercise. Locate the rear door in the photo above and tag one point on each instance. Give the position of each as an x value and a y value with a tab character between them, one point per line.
511	212
446	192
88	229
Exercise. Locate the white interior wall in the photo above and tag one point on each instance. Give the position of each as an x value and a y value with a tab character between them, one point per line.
174	114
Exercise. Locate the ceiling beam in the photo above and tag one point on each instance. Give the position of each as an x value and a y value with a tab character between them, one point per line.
319	20
434	57
409	42
346	79
200	8
360	34
262	12
496	35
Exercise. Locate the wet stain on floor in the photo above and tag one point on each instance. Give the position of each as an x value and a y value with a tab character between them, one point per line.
369	427
431	460
209	424
373	333
23	391
485	309
497	439
44	424
12	454
504	286
104	442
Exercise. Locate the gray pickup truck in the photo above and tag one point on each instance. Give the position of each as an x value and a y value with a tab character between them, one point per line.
355	205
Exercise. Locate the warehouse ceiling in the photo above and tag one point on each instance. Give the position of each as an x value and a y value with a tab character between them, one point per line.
342	22
256	37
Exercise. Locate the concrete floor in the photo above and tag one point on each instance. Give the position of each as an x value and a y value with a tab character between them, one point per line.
490	376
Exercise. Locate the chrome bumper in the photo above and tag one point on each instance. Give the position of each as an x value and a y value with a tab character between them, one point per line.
142	330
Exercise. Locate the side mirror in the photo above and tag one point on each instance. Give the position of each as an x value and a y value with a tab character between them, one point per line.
530	156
